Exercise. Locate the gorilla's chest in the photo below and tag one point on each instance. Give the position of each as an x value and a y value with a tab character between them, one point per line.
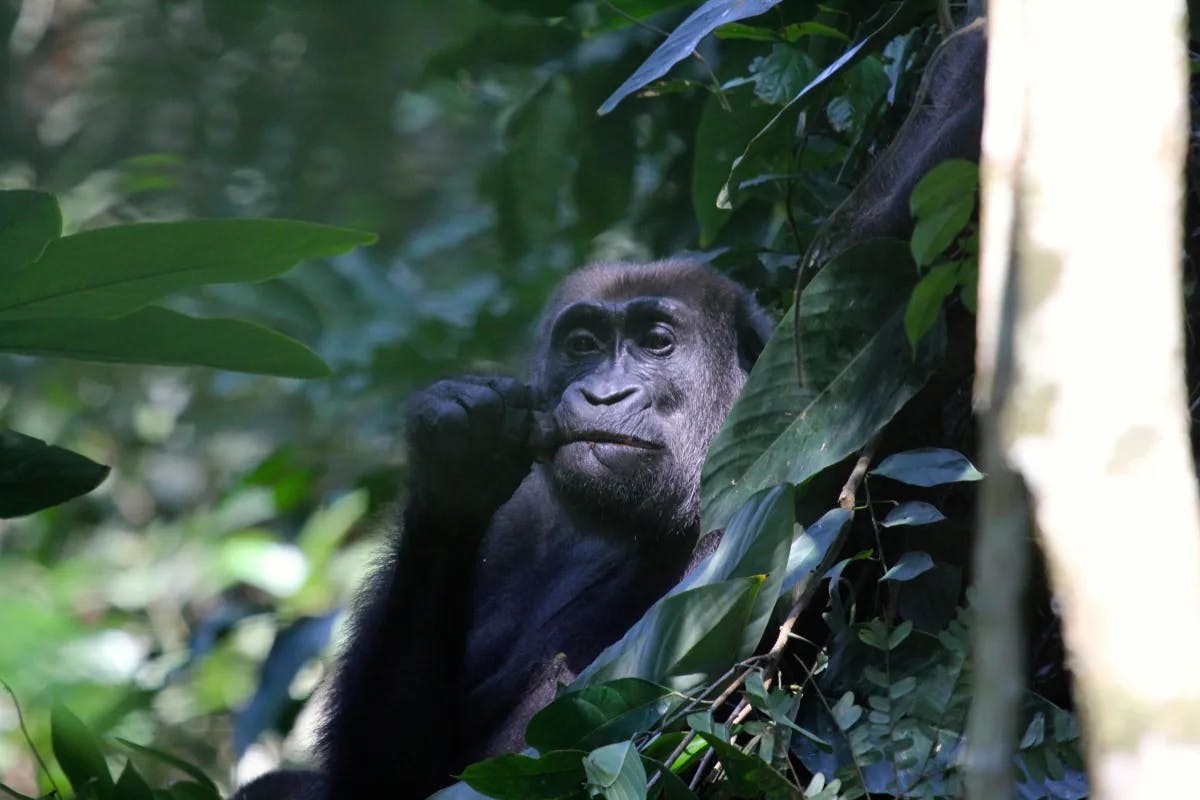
542	610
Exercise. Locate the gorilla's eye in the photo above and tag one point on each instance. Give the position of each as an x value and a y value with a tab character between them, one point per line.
658	340
581	343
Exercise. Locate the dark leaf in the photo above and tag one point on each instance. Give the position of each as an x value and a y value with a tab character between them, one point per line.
862	374
556	775
131	786
28	221
159	336
178	763
113	271
78	752
35	475
750	776
598	715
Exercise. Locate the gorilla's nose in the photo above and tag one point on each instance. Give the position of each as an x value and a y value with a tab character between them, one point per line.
609	394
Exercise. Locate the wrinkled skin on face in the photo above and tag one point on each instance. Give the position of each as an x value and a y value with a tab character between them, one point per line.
631	386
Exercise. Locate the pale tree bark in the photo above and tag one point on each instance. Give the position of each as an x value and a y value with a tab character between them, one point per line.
1080	367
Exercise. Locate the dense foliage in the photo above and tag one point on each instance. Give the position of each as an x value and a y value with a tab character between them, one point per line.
189	602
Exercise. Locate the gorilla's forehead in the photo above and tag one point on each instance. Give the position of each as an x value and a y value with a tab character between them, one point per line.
689	283
615	311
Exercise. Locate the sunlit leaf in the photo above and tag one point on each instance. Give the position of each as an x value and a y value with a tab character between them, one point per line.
35	475
160	336
928	466
933	234
948	184
926	301
909	566
28	222
110	272
615	772
913	512
683	40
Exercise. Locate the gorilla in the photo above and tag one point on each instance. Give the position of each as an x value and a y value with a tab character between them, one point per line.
542	521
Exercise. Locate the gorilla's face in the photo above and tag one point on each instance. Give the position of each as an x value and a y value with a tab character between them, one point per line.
636	383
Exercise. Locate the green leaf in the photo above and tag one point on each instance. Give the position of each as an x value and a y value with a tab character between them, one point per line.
934	234
757	541
557	775
683	40
35	475
598	715
720	135
78	752
914	512
684	639
189	790
859	373
178	763
28	222
899	634
845	712
113	271
777	77
948	184
909	566
928	466
159	336
131	786
926	301
615	772
750	776
768	138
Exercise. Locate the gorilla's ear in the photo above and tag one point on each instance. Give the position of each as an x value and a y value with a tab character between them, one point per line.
753	327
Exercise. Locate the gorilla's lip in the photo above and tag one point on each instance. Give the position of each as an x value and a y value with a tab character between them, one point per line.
608	437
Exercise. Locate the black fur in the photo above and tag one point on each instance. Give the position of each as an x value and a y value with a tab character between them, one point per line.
508	576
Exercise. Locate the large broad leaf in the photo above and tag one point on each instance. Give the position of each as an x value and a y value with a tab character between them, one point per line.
756	542
859	372
683	40
714	616
684	639
78	752
35	475
114	271
554	776
598	715
159	336
28	221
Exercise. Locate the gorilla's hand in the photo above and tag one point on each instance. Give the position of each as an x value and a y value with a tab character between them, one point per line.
469	445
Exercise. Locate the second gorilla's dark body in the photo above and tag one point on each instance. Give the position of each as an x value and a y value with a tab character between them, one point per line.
509	576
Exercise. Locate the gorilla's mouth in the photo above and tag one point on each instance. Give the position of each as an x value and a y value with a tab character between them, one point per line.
607	437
